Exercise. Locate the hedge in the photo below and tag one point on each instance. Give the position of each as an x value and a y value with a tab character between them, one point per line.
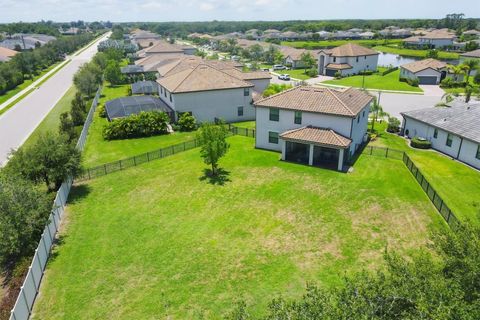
144	124
416	142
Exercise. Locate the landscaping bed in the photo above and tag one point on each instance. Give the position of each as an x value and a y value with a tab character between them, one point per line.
162	241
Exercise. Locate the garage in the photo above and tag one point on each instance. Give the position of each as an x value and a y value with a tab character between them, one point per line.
330	72
427	80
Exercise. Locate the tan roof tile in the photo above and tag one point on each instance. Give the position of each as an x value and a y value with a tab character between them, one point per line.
417	66
7	53
472	54
338	66
252	75
201	78
315	135
350	50
343	102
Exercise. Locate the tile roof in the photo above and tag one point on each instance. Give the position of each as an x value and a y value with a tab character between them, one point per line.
202	77
472	54
338	66
181	63
417	66
343	102
295	53
460	119
350	50
315	135
252	75
6	53
151	63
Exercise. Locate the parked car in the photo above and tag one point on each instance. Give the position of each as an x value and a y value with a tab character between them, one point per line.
279	67
285	77
265	69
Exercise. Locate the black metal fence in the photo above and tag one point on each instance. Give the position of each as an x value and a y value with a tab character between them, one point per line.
383	152
241	131
437	201
122	164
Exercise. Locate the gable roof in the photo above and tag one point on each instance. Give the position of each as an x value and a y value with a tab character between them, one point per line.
472	54
6	53
201	78
251	75
417	66
350	50
460	119
342	102
171	66
316	135
294	53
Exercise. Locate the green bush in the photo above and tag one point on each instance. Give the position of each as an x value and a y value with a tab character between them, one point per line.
446	83
144	124
312	72
393	125
389	70
419	143
337	75
187	122
366	72
476	78
413	82
102	111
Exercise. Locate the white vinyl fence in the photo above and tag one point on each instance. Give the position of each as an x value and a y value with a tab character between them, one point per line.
28	292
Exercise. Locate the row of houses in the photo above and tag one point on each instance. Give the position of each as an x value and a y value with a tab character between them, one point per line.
24	41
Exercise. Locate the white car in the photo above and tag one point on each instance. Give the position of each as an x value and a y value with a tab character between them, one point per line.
285	77
279	67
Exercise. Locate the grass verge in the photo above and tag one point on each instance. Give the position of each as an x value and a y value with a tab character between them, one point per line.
162	240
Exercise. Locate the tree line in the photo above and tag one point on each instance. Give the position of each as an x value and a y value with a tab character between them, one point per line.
27	64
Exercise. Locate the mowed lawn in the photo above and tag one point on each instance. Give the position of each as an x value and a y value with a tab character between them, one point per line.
455	182
376	81
159	241
99	151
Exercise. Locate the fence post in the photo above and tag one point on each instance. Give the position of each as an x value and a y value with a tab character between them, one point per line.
173	150
148	156
105	168
183	146
441	206
386	153
161	153
120	162
371	150
134	160
25	299
448	216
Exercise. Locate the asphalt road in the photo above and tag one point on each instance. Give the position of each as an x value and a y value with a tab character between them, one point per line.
20	121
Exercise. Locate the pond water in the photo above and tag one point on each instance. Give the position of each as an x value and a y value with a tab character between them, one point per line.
386	59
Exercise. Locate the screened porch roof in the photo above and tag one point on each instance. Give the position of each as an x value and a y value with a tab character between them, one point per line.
318	136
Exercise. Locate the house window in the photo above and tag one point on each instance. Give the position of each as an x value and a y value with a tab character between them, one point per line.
478	152
357	59
435	133
274	114
246	92
170	97
449	140
365	58
363	114
334	59
165	93
273	137
240	111
298	117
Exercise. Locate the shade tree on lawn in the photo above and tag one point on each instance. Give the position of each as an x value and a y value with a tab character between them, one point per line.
213	144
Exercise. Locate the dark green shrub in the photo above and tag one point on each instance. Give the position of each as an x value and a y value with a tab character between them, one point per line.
476	78
144	124
187	122
420	143
366	72
413	82
338	75
389	70
102	111
312	72
393	125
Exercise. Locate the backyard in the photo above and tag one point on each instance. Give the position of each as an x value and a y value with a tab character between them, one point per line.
163	241
455	182
444	55
335	43
389	81
99	151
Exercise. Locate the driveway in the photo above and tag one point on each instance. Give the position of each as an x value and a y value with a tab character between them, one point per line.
20	121
432	90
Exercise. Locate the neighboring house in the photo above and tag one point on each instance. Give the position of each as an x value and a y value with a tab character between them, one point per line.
293	56
313	125
208	94
123	107
454	131
428	71
473	33
259	79
367	35
165	48
434	39
152	62
145	87
6	54
26	41
347	59
475	54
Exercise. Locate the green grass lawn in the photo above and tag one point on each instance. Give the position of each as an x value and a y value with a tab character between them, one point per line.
245	124
297	74
335	43
99	151
52	121
461	90
376	81
161	241
415	52
456	183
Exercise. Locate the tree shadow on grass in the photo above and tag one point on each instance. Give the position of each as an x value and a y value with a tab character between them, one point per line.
220	178
78	192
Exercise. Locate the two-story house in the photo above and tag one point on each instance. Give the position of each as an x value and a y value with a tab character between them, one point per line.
313	125
346	59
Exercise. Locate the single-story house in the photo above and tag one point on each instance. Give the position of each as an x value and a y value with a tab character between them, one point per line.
434	39
145	87
123	107
427	71
293	56
6	54
208	94
454	130
347	59
475	54
166	48
313	125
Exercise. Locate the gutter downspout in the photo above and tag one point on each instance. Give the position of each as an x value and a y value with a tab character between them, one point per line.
459	148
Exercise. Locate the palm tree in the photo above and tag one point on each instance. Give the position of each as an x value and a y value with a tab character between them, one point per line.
376	109
456	70
470	65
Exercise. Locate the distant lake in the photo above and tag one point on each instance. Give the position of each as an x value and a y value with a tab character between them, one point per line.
386	59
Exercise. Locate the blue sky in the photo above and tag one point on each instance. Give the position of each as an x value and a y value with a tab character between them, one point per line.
205	10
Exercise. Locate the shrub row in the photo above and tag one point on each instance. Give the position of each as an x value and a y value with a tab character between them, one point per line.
418	143
412	82
389	70
144	124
